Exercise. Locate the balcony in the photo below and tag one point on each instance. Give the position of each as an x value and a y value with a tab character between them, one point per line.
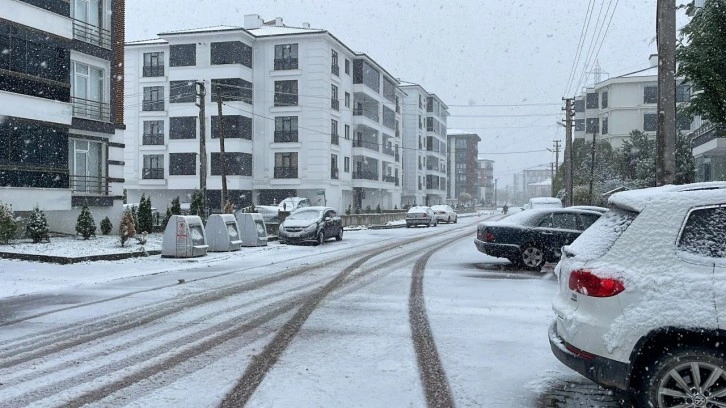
285	136
90	185
152	173
368	145
388	151
335	104
335	70
153	71
369	113
706	133
285	64
334	173
398	158
335	139
285	172
390	179
365	175
152	139
91	34
89	109
151	105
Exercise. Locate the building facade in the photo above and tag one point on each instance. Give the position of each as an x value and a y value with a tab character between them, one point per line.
613	108
425	147
463	165
61	133
302	115
486	182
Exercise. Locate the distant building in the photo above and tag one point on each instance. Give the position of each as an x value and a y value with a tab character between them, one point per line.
536	183
486	182
61	120
463	164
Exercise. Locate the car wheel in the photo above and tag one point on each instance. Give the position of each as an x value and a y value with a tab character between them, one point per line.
408	225
456	219
320	238
339	237
533	257
684	377
282	242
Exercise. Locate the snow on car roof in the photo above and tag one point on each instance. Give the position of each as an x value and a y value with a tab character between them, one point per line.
699	193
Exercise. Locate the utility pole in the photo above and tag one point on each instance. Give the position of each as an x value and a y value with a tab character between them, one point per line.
592	166
222	163
202	94
665	140
552	175
568	151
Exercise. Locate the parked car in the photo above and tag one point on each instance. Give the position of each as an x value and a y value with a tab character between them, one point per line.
641	303
542	202
444	213
293	203
420	215
531	238
311	224
590	207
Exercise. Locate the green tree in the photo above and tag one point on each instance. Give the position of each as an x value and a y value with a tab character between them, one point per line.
145	217
127	227
197	205
106	226
8	227
638	160
701	62
175	206
37	226
685	163
85	225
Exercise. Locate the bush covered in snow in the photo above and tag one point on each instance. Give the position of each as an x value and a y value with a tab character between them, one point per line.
127	227
85	224
37	226
7	223
106	226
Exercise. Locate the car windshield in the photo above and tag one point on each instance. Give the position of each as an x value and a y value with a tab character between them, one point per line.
601	235
304	215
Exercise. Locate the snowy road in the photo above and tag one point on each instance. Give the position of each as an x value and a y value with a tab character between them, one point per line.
394	318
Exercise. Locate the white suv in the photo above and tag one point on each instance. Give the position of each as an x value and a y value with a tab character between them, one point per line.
642	297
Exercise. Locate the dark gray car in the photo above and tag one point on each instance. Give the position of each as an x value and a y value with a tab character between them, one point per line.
311	224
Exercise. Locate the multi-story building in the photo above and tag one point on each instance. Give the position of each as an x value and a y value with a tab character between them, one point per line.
613	108
463	165
424	146
61	142
302	115
486	182
536	183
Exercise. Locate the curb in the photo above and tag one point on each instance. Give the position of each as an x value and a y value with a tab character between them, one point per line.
62	260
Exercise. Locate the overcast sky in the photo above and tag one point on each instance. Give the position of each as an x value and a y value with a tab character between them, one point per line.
475	55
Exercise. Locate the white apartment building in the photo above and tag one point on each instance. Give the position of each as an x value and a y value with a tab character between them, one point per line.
303	115
612	108
61	119
424	147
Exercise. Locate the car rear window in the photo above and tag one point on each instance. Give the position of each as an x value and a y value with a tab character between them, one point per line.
526	218
595	241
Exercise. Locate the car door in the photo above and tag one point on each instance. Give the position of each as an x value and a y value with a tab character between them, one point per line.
557	230
328	223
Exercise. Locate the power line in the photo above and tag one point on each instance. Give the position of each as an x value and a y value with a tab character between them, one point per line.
580	44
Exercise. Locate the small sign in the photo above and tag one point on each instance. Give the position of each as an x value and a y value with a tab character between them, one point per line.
181	230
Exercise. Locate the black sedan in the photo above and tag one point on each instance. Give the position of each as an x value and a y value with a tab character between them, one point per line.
311	224
531	238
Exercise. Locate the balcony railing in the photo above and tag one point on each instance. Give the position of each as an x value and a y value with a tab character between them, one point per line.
365	175
153	70
390	179
153	139
91	34
335	104
388	151
706	133
398	158
86	108
369	113
283	64
335	139
334	173
152	174
285	136
152	105
335	69
89	184
285	172
368	145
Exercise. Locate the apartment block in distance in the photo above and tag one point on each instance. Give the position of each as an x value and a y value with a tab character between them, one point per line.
302	115
463	165
61	126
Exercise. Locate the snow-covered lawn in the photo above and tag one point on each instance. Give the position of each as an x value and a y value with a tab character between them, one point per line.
77	246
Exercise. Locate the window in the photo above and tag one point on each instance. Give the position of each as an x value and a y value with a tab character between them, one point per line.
579	105
153	167
398	105
334	67
347	100
182	55
183	127
334	166
683	93
286	165
579	125
285	129
704	233
91	21
153	132
604	99
592	125
85	166
28	145
232	89
389	118
650	94
33	53
285	56
182	164
235	127
364	73
591	102
347	132
87	91
153	64
285	93
604	129
346	164
153	98
182	91
588	219
389	90
231	52
564	221
683	122
235	164
650	122
347	66
334	137
334	101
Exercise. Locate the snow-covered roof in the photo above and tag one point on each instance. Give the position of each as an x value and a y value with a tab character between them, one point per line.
651	71
204	30
147	42
266	31
547	182
702	193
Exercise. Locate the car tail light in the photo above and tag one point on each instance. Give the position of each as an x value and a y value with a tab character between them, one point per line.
489	237
589	284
